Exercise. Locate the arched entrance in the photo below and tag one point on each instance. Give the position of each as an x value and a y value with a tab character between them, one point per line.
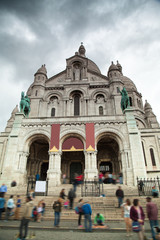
72	161
108	155
38	159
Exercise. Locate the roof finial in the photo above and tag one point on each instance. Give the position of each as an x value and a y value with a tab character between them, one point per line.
81	43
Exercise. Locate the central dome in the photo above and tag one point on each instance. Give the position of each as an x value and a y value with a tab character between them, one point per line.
93	67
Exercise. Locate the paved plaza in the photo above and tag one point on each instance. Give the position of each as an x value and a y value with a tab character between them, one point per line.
68	231
6	234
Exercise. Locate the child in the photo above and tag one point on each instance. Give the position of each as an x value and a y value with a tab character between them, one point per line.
66	204
35	214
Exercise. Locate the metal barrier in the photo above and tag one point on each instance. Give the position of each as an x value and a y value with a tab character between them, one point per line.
91	189
145	186
31	184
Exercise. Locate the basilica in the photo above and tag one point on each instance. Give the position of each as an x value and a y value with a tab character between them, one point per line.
76	125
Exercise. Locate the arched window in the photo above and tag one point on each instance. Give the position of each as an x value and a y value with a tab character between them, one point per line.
76	105
52	112
144	154
152	157
36	93
130	99
100	110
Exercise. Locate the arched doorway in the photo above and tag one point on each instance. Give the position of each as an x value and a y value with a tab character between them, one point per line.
72	161
108	155
38	159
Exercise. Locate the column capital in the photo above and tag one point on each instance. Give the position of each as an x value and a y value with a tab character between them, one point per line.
55	153
90	152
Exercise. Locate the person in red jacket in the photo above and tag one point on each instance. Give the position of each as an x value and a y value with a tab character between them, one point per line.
137	215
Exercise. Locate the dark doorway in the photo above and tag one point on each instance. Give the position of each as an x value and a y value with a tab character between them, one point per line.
75	167
44	168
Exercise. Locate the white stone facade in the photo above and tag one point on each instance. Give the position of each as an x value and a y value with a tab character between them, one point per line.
127	142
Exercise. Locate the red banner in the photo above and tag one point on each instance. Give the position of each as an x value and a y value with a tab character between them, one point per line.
90	138
72	144
55	133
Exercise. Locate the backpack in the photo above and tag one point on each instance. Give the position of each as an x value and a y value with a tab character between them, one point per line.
76	210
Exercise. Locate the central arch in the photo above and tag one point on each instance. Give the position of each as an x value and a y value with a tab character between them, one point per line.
72	161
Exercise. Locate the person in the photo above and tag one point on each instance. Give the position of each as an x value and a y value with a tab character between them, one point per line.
32	194
101	177
34	214
37	177
120	196
86	208
110	177
137	215
99	219
57	206
152	213
3	188
10	207
80	213
113	178
26	215
64	178
155	192
2	203
71	196
126	214
43	207
141	187
66	203
121	178
17	210
39	210
62	194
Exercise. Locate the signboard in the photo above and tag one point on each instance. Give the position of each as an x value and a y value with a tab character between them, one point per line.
40	186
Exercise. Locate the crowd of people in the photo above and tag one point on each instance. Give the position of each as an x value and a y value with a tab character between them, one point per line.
109	177
133	213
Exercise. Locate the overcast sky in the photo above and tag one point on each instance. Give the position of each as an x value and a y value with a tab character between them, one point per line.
36	32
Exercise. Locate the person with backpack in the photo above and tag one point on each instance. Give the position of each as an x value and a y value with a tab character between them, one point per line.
71	196
86	208
57	206
79	211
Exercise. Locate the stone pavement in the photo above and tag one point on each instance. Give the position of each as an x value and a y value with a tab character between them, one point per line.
68	230
70	235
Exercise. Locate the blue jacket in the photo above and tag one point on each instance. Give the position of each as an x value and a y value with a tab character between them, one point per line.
2	202
86	209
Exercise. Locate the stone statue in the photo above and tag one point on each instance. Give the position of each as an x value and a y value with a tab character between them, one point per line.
124	100
25	104
77	73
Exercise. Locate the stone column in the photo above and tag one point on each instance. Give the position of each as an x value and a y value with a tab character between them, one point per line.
23	161
54	171
137	158
91	170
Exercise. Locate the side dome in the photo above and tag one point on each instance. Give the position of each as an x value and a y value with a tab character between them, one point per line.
128	83
113	67
42	70
93	67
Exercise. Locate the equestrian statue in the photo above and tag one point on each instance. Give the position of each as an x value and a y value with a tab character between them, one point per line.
25	104
125	103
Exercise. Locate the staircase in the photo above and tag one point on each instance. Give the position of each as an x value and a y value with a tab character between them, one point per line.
106	205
